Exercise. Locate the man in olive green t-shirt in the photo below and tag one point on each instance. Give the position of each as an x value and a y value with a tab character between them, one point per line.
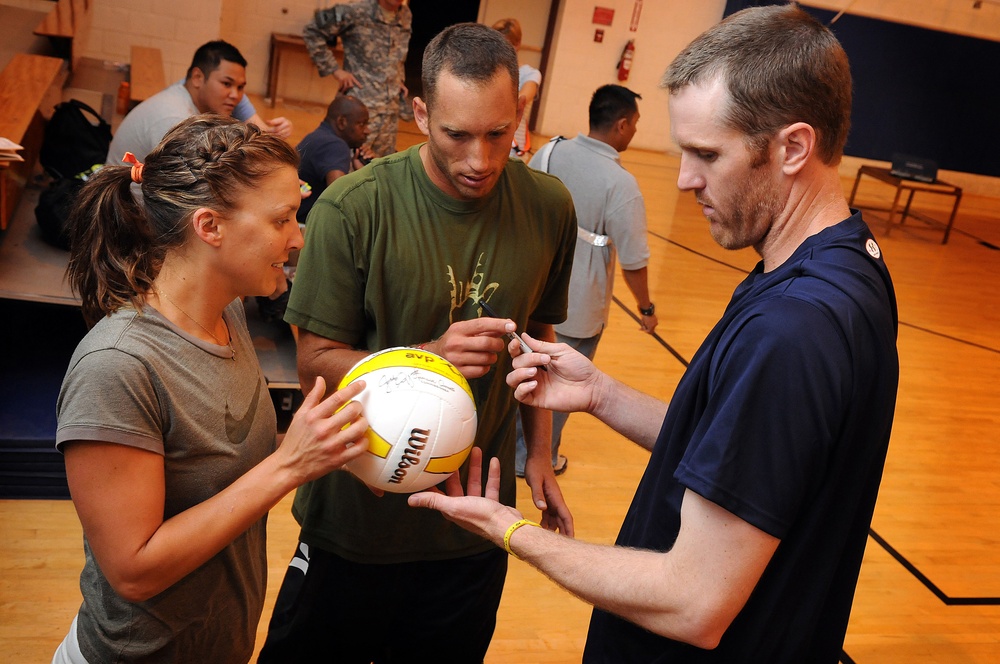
401	253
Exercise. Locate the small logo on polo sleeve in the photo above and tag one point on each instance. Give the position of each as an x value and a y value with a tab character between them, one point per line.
872	248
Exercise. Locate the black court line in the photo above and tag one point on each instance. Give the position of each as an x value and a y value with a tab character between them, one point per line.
975	238
951	338
930	585
670	349
698	253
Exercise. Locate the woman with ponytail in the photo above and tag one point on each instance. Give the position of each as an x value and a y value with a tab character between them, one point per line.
165	422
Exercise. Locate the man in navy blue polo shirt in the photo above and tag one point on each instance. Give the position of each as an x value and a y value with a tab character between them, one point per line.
745	537
330	150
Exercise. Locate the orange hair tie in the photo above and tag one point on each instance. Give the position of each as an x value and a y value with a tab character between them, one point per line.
137	166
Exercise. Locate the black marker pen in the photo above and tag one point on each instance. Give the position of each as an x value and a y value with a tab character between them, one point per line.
510	335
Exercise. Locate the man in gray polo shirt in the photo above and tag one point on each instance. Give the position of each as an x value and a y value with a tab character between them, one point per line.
214	84
612	221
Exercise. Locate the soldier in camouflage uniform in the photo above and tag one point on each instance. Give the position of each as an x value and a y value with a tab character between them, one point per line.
375	36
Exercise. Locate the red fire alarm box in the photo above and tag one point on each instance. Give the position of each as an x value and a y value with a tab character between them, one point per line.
603	15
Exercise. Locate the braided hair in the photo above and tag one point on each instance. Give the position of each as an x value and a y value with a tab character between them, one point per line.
118	239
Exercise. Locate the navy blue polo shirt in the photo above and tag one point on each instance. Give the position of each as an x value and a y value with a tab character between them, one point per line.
782	418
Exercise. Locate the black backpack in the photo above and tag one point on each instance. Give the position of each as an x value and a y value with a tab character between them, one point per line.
54	206
72	142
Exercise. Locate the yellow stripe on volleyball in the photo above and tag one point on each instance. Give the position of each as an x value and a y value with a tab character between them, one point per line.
377	445
449	464
413	357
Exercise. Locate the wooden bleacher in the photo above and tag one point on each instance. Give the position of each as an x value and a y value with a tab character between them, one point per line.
146	76
67	25
30	86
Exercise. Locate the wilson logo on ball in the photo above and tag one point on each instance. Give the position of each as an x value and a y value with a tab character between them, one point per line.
421	417
411	455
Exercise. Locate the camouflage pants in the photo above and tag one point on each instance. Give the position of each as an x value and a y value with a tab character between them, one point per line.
383	125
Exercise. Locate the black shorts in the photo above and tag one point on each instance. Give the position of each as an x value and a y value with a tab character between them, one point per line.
332	610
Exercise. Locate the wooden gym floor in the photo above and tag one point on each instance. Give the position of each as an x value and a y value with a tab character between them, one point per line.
930	584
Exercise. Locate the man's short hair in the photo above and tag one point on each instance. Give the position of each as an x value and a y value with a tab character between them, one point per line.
209	56
610	103
343	105
779	65
471	52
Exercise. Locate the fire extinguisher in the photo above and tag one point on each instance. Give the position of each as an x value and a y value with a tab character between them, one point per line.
625	62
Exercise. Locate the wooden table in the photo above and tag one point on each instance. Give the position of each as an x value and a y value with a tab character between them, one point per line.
67	25
59	23
912	186
24	85
282	43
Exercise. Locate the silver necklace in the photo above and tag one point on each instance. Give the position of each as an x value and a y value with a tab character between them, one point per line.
229	343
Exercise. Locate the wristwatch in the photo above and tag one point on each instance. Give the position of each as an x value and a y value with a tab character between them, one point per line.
649	311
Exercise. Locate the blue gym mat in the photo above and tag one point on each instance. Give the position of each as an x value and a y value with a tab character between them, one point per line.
36	342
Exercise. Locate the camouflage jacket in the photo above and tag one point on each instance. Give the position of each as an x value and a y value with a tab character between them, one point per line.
374	48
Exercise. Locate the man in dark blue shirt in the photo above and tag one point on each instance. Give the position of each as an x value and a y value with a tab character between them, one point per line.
745	537
329	151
